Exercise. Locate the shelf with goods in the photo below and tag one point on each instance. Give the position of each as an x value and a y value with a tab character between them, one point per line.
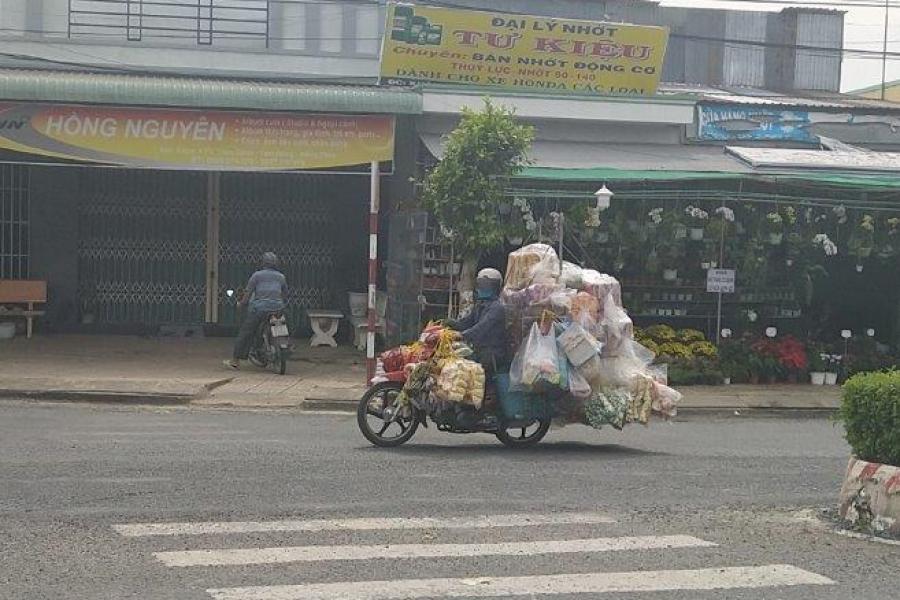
440	269
689	303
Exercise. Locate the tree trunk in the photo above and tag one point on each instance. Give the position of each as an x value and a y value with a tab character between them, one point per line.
466	285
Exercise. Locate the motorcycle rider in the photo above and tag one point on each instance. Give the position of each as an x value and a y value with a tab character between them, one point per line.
266	293
484	328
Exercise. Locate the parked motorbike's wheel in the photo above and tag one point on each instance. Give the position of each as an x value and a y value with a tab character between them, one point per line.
279	360
255	359
377	420
523	437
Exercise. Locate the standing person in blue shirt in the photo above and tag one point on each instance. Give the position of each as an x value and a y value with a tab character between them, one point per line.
266	293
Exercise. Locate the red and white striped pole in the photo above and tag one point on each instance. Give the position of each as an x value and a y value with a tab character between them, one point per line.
374	204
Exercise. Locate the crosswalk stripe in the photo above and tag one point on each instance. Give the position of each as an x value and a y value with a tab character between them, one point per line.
374	524
256	556
587	583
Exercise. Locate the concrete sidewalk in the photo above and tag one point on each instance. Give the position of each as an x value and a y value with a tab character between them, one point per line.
171	370
190	371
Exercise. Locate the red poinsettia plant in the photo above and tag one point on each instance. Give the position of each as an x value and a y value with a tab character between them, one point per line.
787	350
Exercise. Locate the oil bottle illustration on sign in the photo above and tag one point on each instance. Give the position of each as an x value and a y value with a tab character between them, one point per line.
410	29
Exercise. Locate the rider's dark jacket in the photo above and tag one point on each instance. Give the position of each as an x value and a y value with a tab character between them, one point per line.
484	328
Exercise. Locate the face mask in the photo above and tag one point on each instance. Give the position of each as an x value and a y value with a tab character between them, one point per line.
484	294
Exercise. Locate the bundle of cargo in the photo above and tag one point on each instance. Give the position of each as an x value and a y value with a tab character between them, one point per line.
574	341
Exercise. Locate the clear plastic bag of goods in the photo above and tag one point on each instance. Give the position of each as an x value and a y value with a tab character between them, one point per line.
592	371
561	301
572	276
536	295
585	306
579	387
618	328
535	263
665	400
614	371
461	381
578	344
601	286
537	363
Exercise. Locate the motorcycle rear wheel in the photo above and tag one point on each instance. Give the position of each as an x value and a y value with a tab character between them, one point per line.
370	416
527	437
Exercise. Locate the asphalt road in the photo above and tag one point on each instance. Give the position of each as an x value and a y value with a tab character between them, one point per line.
700	509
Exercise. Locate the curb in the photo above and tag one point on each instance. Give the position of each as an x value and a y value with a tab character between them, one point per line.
99	396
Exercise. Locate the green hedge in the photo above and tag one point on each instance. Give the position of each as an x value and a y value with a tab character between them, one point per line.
870	411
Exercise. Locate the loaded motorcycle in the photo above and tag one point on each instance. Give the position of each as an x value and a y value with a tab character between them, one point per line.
390	412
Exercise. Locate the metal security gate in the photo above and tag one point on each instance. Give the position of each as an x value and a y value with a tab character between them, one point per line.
14	231
142	246
291	215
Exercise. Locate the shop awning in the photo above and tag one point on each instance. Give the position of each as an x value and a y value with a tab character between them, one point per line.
580	161
188	92
595	162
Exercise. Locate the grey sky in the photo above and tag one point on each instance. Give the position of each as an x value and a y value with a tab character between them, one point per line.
863	29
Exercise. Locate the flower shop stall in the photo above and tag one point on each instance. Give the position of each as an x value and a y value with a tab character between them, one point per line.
815	255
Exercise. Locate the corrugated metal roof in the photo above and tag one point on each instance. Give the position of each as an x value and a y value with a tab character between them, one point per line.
841	160
648	157
756	97
152	90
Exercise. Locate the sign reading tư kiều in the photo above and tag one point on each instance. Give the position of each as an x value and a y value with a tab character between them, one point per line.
468	47
196	139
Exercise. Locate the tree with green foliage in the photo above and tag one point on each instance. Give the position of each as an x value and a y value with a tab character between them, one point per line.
465	191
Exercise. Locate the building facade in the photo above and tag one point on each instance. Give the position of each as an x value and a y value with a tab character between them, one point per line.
127	245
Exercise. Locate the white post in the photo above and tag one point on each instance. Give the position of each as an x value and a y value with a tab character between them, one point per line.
374	205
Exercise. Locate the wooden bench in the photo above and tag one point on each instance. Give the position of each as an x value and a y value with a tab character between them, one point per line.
23	294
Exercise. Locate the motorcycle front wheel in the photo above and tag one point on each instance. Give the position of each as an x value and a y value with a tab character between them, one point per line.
523	437
376	421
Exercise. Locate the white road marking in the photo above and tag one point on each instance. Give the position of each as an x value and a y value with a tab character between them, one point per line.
290	554
376	524
587	583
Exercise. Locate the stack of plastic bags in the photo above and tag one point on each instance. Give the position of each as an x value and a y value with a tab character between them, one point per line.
574	343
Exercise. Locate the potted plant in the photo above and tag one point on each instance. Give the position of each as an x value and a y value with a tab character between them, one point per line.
816	366
862	241
832	366
735	360
792	357
775	227
697	218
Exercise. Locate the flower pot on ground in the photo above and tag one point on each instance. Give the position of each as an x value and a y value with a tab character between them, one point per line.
830	378
817	377
670	274
726	381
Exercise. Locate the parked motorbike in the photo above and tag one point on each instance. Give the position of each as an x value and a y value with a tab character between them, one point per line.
386	421
272	345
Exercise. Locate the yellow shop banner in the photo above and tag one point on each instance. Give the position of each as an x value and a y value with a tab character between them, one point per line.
428	44
196	139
